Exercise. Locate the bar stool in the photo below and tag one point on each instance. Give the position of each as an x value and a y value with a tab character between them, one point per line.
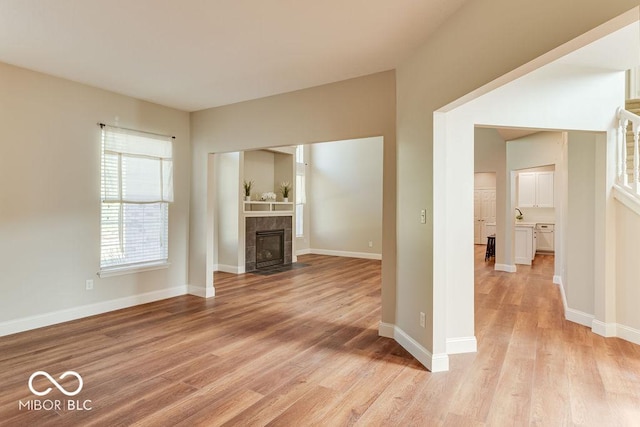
491	247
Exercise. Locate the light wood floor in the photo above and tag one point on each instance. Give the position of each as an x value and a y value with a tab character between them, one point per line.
301	348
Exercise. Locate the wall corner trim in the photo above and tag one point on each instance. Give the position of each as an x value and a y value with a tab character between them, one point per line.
201	291
66	315
505	267
572	315
604	329
461	345
433	362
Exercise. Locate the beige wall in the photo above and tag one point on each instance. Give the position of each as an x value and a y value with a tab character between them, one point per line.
579	279
627	271
345	196
227	176
490	152
284	172
484	180
482	41
356	108
50	195
259	168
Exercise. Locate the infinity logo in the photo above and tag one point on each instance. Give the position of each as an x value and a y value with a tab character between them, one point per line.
55	383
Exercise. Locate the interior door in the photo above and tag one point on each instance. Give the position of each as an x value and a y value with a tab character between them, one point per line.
477	217
484	212
488	210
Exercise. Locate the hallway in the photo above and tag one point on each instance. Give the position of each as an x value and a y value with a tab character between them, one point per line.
543	369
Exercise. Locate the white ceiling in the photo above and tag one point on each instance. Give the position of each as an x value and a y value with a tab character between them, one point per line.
196	54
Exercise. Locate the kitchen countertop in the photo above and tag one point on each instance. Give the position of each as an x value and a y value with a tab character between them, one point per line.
532	224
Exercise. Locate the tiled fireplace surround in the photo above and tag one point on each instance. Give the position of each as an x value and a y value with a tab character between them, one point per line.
266	223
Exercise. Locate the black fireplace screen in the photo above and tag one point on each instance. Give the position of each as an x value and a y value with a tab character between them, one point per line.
269	248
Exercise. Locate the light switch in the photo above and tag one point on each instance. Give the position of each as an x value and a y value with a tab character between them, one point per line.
423	216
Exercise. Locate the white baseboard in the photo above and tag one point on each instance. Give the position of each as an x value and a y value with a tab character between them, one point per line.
462	345
627	333
201	291
386	330
575	316
558	281
303	252
347	254
55	317
505	267
433	362
603	329
229	269
579	317
597	326
624	332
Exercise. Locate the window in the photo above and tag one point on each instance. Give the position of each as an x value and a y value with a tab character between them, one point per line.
301	196
136	189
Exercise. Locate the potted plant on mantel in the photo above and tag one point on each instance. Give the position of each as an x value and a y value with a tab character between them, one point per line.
247	190
285	189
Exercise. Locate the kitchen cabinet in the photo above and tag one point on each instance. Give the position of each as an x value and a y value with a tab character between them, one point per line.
545	237
535	189
525	244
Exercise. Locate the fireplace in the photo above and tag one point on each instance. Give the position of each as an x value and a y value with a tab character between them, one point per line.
269	248
255	227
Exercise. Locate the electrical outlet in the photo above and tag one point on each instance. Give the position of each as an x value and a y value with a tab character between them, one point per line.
422	319
370	244
89	285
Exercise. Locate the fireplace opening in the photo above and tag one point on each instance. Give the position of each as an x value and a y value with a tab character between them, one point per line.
269	248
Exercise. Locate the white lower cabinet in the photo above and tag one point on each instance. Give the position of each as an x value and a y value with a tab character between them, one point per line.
525	244
545	237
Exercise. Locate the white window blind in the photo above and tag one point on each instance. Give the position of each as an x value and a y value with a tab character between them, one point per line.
136	188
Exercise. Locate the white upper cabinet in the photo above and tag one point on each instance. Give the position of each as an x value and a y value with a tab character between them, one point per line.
545	189
527	189
535	189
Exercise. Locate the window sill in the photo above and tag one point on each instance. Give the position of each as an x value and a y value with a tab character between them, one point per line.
132	269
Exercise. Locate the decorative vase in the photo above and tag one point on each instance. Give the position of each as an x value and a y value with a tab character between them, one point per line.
247	198
285	199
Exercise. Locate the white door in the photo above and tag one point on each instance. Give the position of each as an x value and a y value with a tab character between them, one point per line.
477	217
484	212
